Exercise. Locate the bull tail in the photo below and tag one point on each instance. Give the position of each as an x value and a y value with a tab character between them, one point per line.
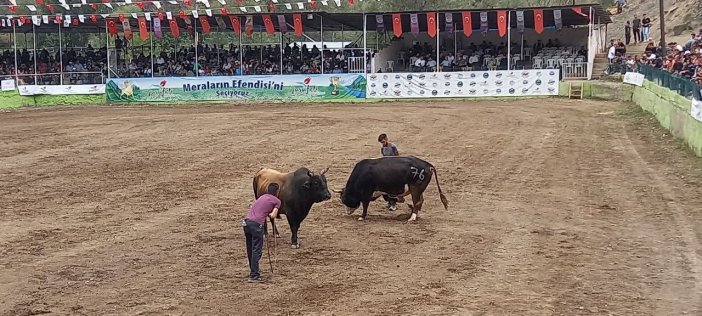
444	200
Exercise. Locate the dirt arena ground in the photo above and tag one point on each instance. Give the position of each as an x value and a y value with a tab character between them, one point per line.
557	207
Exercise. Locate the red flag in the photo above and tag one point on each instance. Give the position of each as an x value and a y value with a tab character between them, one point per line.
396	24
313	4
160	16
13	8
539	20
93	6
502	22
93	18
271	7
270	29
112	27
351	1
236	25
467	24
40	2
50	8
181	14
188	2
579	11
431	24
223	11
143	32
297	18
140	5
58	18
75	22
174	28
205	24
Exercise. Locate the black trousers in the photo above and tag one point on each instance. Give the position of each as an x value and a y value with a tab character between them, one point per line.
254	246
637	35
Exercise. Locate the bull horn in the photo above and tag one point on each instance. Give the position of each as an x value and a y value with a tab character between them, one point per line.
325	170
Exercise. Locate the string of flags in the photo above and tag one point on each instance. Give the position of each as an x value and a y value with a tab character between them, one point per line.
271	6
189	18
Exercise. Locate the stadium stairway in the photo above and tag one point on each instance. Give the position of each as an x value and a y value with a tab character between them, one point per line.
601	60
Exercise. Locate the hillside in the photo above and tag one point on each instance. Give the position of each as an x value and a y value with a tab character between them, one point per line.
682	17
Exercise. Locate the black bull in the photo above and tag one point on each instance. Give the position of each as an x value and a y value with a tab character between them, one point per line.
298	191
372	177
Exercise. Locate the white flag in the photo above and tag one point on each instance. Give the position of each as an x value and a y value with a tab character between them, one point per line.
36	20
104	16
108	5
128	1
157	4
243	9
31	8
45	18
134	15
195	15
222	2
81	18
300	5
169	15
209	12
338	3
148	16
257	8
288	6
173	2
324	2
83	2
67	21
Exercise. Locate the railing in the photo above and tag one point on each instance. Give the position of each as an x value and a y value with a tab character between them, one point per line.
65	78
575	70
683	86
356	65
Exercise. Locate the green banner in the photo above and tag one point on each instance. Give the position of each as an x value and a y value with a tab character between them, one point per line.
281	88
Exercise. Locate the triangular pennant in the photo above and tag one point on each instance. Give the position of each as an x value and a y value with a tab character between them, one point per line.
396	24
169	15
31	8
36	20
81	18
338	3
147	15
288	6
175	30
257	8
157	4
300	6
208	12
195	15
134	15
45	19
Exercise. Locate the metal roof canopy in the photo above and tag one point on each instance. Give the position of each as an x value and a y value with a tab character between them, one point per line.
312	21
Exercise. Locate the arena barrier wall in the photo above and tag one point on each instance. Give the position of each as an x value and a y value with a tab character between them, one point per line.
326	87
505	83
680	115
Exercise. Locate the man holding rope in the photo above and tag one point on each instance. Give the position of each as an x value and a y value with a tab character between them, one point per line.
266	205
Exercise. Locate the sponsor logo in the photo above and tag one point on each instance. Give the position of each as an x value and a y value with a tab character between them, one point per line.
511	91
472	75
498	75
485	91
498	82
472	84
511	74
551	73
434	76
434	84
551	89
512	82
421	92
460	76
486	75
421	76
397	77
373	77
448	83
447	92
498	90
397	92
538	73
471	91
422	84
525	73
385	77
552	82
409	77
385	84
538	82
447	76
373	92
373	85
434	92
459	84
525	90
525	81
397	84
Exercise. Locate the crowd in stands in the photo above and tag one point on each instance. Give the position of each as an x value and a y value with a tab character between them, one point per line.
89	65
483	56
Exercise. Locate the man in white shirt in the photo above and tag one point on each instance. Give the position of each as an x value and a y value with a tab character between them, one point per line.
611	54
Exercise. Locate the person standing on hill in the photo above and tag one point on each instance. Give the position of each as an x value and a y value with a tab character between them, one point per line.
627	33
636	27
646	28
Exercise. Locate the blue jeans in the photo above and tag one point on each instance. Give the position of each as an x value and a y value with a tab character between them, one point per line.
254	246
645	33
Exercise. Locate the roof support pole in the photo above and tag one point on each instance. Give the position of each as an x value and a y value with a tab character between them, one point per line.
60	54
321	39
151	40
509	40
107	45
34	37
14	42
365	52
438	43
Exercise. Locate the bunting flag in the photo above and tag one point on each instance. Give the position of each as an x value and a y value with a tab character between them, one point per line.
414	24
268	22
220	24
112	27
156	24
379	23
174	28
297	18
467	23
45	19
351	1
558	19
579	11
520	21
483	23
282	24
431	24
502	22
396	24
249	28
127	29
143	31
40	2
539	20
205	24
36	20
338	3
93	18
236	24
449	22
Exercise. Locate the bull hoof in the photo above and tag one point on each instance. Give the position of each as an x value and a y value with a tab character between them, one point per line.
412	218
350	211
295	246
361	219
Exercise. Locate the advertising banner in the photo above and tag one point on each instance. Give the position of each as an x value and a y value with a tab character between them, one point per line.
62	89
696	109
501	83
634	78
280	87
8	85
